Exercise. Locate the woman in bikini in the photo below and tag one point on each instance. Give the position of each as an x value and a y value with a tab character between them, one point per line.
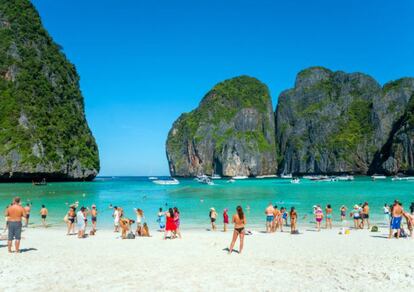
177	222
239	220
343	213
71	220
328	211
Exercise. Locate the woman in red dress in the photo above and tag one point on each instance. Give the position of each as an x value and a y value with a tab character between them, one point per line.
170	226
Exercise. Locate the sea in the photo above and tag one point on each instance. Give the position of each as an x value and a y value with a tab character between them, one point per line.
194	200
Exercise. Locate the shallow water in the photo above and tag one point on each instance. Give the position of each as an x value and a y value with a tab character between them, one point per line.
194	200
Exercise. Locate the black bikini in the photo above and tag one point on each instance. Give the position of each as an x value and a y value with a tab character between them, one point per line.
239	230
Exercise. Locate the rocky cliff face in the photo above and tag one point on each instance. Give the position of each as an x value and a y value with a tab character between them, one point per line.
43	130
325	123
231	133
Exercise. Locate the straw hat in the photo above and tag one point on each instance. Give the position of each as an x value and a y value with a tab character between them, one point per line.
212	209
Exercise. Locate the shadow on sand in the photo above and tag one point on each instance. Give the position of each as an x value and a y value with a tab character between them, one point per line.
27	249
227	250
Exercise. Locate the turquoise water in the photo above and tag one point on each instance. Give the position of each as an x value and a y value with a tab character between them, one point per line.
194	200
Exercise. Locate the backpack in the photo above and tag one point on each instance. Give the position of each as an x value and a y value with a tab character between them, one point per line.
374	228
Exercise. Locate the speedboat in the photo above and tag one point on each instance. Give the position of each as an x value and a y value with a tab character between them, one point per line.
240	177
378	176
206	181
295	180
152	178
266	176
230	181
286	176
403	178
345	177
172	181
215	176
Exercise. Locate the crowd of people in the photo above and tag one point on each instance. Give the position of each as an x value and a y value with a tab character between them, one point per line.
169	220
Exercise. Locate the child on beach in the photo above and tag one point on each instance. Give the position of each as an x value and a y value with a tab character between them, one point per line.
239	220
293	219
43	215
225	219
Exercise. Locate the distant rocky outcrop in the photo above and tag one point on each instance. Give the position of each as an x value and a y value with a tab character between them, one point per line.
231	133
43	130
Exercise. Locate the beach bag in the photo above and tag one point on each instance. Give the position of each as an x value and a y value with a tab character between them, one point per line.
131	235
374	228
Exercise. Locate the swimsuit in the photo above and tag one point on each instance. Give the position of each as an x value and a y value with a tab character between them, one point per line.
27	216
365	216
396	222
71	219
329	216
269	218
15	230
44	216
239	230
93	218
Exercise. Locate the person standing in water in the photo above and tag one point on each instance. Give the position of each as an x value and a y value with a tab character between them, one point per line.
27	210
239	220
343	213
269	211
161	219
365	215
213	217
94	217
328	219
293	220
14	213
43	214
225	219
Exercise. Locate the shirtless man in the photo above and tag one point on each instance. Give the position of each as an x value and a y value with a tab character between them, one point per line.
365	214
269	217
27	209
277	215
396	214
43	214
14	215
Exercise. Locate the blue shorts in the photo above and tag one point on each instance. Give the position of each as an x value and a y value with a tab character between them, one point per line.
396	222
269	218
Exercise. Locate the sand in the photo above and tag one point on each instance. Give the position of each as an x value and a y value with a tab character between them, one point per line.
320	261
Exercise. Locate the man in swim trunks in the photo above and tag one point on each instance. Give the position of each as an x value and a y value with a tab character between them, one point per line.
27	209
43	214
14	214
396	216
269	217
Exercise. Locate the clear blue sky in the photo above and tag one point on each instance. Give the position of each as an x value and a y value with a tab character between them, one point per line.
143	63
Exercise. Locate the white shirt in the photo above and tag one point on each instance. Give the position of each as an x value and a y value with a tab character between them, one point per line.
80	217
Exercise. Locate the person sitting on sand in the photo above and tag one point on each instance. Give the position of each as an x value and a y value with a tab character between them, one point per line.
177	222
343	210
80	218
94	217
355	214
293	219
225	219
318	217
145	230
14	213
396	216
213	217
71	220
116	216
27	210
170	227
161	219
125	225
365	215
239	220
140	219
269	217
328	219
43	213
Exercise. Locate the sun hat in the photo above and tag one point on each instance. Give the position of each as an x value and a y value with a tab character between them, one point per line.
212	209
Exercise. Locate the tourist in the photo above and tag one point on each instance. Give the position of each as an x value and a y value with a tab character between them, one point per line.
386	211
177	222
43	213
71	220
284	218
412	208
125	225
170	227
276	220
116	215
14	213
410	222
225	219
269	217
161	219
293	219
80	218
140	219
365	215
356	215
94	217
343	210
318	217
239	221
396	216
6	223
328	219
27	210
213	217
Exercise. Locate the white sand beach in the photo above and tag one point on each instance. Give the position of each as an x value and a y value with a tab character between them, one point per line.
313	260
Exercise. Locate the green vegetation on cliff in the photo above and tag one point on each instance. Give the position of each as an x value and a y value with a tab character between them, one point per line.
41	107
